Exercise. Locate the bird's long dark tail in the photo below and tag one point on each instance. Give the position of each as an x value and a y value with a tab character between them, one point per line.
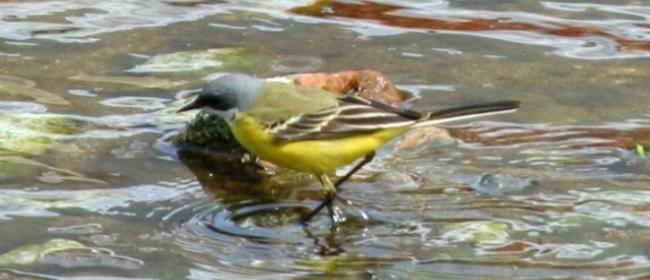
467	112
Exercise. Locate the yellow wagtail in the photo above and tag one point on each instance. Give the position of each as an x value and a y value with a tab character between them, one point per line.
313	131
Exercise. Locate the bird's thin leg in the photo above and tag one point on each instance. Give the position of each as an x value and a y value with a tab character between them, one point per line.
331	189
356	168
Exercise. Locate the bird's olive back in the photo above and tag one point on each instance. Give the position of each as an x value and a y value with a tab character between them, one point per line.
280	101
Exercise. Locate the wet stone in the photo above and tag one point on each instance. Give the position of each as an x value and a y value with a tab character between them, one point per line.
34	134
32	254
103	239
6	274
91	257
500	183
16	86
209	132
77	229
482	232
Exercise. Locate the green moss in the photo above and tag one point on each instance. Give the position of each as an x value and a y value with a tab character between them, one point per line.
640	150
52	124
33	134
314	9
209	132
484	232
246	59
335	265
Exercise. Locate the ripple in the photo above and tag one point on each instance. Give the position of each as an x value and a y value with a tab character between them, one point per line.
19	203
598	150
418	228
298	64
98	18
144	103
575	38
82	92
77	229
247	237
255	221
91	257
21	107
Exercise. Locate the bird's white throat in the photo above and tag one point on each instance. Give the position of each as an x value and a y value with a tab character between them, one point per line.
228	116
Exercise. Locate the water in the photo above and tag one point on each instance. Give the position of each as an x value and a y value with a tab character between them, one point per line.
91	186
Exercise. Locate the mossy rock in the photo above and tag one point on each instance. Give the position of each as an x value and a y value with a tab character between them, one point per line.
482	232
32	134
211	133
32	254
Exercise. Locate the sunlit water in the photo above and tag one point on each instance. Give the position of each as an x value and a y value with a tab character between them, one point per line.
560	189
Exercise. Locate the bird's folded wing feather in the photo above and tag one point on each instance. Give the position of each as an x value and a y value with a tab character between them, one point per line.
352	115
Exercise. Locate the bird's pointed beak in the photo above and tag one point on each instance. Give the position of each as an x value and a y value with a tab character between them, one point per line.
190	106
193	102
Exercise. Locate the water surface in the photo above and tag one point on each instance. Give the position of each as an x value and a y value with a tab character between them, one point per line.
88	91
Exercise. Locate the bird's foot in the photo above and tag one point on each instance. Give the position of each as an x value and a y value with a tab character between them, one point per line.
335	215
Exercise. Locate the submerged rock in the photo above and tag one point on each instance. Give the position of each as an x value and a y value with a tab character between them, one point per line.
90	257
7	274
15	86
366	83
32	134
15	167
209	132
499	183
483	232
32	254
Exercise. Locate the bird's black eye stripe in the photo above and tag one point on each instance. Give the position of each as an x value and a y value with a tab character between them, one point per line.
218	101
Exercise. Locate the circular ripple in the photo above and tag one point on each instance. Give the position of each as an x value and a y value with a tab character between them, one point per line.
260	222
247	237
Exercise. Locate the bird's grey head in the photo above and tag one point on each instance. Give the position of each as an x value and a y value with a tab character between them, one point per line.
226	94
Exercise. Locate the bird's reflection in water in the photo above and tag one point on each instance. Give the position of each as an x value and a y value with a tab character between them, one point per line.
327	245
261	205
226	175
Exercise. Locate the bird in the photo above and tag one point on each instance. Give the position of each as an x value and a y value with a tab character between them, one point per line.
316	131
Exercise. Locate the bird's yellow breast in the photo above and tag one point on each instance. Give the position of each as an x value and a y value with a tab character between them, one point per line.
318	155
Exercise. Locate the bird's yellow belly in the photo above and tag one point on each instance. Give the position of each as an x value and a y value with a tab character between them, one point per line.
317	156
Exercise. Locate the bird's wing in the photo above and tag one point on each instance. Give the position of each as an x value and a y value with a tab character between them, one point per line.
352	115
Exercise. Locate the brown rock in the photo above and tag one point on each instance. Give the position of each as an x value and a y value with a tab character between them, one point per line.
340	82
377	86
419	136
366	83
